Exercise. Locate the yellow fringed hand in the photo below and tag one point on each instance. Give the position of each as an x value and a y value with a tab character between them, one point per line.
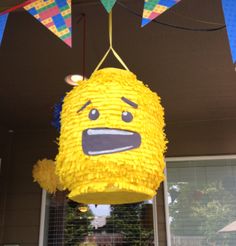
44	174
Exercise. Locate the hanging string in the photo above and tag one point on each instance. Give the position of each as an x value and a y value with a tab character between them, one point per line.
83	19
111	49
84	45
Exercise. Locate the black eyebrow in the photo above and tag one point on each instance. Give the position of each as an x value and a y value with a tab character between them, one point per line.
84	106
133	104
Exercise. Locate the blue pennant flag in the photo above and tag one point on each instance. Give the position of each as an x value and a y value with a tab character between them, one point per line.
3	22
229	7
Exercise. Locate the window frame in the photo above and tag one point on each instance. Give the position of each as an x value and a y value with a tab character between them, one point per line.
178	159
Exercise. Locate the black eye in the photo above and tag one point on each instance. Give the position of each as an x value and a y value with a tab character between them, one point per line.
127	116
93	114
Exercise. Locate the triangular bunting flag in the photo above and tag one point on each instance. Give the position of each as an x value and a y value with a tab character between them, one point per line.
108	4
229	7
154	8
3	22
55	15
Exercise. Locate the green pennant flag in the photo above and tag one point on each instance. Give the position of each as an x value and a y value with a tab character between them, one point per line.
108	4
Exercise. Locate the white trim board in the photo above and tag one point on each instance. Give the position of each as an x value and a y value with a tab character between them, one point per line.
42	217
198	158
155	221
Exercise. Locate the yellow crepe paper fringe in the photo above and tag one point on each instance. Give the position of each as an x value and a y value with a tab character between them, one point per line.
44	174
104	179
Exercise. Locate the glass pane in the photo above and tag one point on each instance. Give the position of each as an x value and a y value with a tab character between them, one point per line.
70	223
202	202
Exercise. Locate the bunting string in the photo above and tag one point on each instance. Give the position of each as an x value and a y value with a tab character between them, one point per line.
16	7
55	15
4	16
184	28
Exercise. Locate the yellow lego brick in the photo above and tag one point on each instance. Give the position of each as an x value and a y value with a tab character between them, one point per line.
160	8
46	21
66	12
146	13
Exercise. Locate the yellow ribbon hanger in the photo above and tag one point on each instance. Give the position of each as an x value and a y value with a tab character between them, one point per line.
111	48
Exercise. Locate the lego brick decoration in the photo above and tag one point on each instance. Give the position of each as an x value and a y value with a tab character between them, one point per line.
108	4
154	8
229	8
3	22
55	15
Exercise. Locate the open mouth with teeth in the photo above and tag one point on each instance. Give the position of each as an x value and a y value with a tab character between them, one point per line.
102	141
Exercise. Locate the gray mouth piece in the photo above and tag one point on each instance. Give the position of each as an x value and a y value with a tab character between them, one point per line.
103	141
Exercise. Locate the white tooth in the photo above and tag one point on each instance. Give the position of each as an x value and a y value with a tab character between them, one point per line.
108	132
109	151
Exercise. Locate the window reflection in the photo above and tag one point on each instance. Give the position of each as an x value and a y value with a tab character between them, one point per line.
202	202
76	224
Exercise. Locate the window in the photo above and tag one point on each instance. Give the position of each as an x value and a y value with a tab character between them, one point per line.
72	224
201	201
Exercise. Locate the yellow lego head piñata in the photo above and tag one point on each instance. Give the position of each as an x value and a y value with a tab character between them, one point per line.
112	140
